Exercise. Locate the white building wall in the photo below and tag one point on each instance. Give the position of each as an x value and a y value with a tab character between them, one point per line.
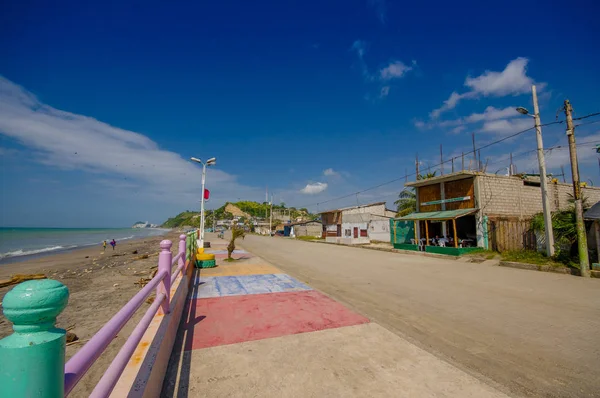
379	230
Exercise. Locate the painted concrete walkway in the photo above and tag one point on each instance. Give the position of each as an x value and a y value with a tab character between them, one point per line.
250	330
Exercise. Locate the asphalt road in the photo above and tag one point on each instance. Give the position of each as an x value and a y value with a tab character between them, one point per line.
526	333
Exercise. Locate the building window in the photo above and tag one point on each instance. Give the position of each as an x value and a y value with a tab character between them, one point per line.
347	233
363	233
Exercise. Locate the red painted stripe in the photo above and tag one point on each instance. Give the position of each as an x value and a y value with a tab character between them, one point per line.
235	319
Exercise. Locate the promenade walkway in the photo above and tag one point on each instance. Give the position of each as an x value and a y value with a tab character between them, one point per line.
250	330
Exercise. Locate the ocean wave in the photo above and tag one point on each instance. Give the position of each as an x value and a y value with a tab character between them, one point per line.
21	252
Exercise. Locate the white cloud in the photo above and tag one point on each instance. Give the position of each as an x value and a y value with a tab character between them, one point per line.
69	141
506	126
513	80
312	189
458	129
383	77
450	103
330	172
394	70
492	113
420	124
360	46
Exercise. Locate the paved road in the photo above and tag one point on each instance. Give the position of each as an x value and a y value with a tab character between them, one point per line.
527	333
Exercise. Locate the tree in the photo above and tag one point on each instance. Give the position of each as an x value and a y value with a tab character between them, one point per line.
406	203
236	232
564	225
426	176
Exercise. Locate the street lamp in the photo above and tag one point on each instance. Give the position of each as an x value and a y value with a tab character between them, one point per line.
542	166
209	162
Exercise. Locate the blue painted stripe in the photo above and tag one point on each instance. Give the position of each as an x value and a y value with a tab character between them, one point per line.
220	286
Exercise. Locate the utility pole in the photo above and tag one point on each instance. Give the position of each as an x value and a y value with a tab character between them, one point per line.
543	179
581	238
271	218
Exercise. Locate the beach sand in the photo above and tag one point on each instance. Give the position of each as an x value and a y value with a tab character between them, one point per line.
99	283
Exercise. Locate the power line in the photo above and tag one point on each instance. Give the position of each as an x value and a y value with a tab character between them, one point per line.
439	164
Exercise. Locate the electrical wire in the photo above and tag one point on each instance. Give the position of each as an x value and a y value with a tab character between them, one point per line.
439	164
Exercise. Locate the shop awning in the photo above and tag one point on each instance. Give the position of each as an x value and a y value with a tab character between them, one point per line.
438	215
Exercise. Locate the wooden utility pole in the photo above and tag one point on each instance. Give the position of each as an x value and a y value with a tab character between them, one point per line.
463	162
546	210
584	265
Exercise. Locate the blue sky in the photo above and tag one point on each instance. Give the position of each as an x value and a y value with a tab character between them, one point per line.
101	104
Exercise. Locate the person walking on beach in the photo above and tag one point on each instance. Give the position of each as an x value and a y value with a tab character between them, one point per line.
113	243
104	246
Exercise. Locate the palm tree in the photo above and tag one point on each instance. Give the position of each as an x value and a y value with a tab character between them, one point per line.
407	199
406	203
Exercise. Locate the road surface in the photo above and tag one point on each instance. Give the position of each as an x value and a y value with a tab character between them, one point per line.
526	333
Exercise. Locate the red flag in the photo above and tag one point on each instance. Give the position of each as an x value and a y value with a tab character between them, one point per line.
206	194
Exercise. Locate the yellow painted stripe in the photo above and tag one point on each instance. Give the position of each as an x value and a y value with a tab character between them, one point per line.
246	269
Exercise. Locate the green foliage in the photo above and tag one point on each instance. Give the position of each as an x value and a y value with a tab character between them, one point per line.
254	209
406	203
236	232
426	176
533	257
184	218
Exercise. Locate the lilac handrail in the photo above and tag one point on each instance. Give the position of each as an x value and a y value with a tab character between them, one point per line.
181	257
110	378
79	364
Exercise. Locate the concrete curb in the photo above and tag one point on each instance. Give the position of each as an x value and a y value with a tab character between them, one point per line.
383	249
535	267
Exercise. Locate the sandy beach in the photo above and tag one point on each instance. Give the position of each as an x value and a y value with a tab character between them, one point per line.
100	283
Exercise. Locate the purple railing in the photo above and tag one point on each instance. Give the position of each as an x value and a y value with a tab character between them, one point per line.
79	364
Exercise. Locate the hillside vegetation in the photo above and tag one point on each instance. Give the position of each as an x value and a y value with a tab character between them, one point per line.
254	209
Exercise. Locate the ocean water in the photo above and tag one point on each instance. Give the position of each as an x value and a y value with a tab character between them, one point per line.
16	243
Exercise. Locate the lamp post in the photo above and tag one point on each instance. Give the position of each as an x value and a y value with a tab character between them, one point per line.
209	162
542	165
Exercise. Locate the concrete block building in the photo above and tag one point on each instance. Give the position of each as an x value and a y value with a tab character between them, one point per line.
357	224
483	210
312	228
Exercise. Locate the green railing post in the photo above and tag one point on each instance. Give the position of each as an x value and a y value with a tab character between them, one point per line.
32	359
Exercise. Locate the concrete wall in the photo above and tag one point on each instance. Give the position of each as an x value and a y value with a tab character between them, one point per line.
347	241
377	210
144	374
379	230
308	229
502	196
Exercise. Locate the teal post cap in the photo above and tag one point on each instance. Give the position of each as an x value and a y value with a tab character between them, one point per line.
34	305
32	360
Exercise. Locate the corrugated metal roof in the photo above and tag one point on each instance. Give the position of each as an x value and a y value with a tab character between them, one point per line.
438	215
593	213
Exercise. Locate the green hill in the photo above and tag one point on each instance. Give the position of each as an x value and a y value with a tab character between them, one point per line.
254	209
